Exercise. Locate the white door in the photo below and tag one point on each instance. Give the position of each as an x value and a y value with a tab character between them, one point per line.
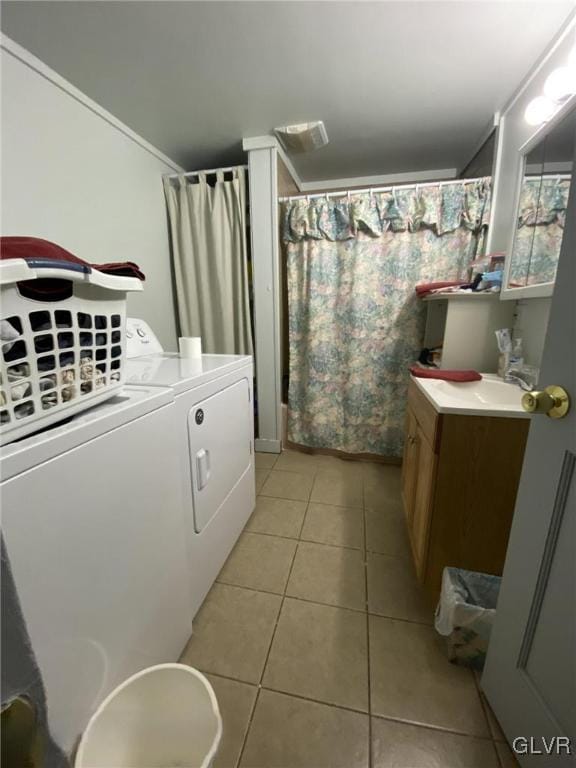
530	675
220	437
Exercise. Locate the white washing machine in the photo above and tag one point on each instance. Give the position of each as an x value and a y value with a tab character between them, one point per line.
92	518
214	423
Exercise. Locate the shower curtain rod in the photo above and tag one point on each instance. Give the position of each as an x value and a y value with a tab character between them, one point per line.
197	173
379	189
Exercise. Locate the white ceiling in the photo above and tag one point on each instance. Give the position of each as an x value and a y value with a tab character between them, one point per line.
401	86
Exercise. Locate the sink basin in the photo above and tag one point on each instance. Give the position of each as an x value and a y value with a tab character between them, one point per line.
489	397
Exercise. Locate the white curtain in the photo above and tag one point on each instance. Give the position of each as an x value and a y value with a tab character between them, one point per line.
208	229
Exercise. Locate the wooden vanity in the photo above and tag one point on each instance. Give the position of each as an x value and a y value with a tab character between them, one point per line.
460	476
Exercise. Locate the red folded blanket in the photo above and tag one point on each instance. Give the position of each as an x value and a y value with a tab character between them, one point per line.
37	248
432	373
422	290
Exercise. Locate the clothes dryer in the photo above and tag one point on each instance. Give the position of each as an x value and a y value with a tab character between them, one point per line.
214	424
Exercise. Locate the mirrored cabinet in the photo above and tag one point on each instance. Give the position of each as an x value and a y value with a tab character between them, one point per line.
546	173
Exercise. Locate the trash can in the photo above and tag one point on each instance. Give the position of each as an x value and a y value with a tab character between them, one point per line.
162	717
465	614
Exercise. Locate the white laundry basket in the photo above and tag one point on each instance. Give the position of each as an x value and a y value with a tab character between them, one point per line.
62	334
166	716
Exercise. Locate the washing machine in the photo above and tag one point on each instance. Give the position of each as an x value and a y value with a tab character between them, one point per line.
214	424
92	517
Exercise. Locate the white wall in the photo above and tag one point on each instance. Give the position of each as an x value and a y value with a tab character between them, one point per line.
530	326
513	132
76	176
262	169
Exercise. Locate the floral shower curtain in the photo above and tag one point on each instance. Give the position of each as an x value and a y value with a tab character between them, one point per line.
355	325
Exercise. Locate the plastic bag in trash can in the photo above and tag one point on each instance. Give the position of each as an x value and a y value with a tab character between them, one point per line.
465	614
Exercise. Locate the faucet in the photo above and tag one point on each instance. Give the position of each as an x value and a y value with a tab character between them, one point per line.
524	377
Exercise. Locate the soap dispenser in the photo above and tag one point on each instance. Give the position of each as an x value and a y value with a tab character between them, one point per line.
515	361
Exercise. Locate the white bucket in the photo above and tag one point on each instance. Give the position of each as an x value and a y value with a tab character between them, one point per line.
166	716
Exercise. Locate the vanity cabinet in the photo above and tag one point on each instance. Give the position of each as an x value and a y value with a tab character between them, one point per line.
460	476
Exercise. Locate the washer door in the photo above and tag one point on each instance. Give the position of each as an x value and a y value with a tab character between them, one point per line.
220	448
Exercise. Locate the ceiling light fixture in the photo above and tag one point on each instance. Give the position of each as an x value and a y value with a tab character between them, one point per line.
302	137
560	83
539	110
559	86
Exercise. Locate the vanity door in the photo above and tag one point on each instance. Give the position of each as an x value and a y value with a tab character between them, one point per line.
423	502
410	466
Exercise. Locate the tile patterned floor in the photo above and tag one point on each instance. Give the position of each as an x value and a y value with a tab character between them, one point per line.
318	642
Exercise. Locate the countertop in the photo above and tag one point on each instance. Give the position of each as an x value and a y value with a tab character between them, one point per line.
489	397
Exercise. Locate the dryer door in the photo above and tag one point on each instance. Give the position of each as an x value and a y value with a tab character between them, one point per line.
220	440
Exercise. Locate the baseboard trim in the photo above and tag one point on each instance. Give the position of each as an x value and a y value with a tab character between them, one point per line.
268	446
375	458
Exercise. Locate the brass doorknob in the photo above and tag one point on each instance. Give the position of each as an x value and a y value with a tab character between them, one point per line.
553	401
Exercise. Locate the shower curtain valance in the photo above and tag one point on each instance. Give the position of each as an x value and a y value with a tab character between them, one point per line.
442	209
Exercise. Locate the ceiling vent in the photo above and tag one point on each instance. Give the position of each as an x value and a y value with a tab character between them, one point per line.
302	137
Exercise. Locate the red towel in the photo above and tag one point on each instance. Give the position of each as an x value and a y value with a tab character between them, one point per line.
436	373
37	248
422	290
121	268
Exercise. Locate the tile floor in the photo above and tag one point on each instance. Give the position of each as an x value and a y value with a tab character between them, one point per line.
317	640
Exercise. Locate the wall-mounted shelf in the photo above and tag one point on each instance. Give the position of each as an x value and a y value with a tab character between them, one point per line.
463	324
464	296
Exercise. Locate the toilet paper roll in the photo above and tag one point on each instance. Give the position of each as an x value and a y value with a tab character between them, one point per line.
190	346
